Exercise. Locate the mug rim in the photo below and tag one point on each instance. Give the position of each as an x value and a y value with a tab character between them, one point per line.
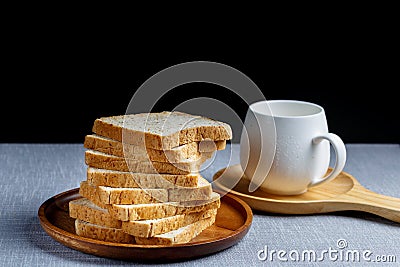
319	109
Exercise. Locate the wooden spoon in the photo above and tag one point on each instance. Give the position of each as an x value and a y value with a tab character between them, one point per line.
342	193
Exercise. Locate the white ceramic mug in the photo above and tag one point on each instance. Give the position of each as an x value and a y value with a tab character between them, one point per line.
284	147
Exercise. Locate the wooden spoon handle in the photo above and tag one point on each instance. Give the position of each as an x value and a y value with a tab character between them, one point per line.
360	198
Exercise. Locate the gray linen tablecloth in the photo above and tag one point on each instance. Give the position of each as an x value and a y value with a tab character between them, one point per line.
30	174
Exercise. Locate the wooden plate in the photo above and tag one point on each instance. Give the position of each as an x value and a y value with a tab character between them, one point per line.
342	193
232	224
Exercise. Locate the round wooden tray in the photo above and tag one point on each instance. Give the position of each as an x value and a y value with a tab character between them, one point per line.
232	224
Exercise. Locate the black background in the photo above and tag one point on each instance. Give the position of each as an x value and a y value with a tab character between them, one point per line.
56	83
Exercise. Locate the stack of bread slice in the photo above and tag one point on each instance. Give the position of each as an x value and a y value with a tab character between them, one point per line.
143	184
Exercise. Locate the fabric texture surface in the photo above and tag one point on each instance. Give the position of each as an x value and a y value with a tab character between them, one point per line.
32	173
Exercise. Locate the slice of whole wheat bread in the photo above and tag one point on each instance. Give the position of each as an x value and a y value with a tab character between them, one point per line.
150	228
133	212
109	195
161	210
164	130
109	234
144	180
85	210
112	195
90	192
202	192
103	233
104	161
177	154
179	236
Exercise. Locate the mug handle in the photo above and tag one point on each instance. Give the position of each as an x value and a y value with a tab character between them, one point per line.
340	151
